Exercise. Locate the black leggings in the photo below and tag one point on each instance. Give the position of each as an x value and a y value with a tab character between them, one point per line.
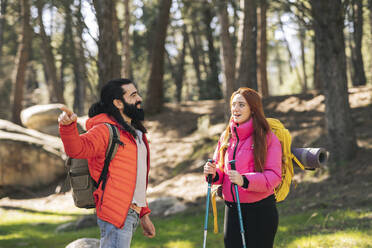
260	221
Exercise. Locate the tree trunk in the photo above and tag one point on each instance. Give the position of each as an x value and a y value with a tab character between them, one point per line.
126	61
3	6
181	67
278	61
108	57
54	84
212	82
194	50
80	59
155	94
228	54
302	36
318	85
370	28
79	92
359	76
262	49
21	64
328	25
247	61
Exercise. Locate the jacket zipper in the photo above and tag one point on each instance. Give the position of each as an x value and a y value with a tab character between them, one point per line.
234	154
237	142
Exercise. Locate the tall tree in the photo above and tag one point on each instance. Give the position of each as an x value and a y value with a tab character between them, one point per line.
125	56
196	51
212	82
358	75
53	82
74	58
83	84
228	54
155	95
302	37
108	57
262	49
328	26
318	85
180	69
370	26
3	6
278	62
247	58
21	61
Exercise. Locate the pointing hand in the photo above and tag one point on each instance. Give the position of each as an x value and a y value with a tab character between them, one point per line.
67	117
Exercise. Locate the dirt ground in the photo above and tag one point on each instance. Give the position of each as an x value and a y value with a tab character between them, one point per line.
183	136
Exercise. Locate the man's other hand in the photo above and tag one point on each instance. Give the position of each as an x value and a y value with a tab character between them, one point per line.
147	226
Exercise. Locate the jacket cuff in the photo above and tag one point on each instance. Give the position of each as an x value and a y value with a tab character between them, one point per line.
245	183
216	178
144	211
68	129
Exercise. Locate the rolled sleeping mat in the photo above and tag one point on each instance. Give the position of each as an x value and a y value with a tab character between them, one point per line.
311	158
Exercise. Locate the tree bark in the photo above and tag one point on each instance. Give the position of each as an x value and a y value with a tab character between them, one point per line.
155	94
21	64
328	25
278	61
247	60
108	57
79	90
3	6
302	36
54	84
212	82
370	28
318	85
358	76
262	49
194	50
181	67
228	54
126	60
81	60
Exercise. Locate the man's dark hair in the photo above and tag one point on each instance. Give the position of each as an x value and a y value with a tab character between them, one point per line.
110	91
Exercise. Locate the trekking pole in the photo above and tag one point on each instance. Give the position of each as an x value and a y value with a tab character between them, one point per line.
232	163
209	178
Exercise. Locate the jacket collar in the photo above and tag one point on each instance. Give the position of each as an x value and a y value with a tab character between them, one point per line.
244	130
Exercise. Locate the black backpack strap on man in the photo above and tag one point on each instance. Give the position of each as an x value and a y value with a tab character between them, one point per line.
112	148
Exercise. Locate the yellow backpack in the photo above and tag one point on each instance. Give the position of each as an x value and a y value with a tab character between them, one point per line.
285	139
282	190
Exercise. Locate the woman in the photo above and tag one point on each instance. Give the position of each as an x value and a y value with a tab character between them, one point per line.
258	155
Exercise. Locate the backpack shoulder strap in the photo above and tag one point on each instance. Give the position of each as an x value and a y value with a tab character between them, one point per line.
112	147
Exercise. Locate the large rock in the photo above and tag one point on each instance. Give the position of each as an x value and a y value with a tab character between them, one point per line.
29	159
42	118
84	243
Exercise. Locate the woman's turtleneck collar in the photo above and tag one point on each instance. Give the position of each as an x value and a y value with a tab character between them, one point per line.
244	130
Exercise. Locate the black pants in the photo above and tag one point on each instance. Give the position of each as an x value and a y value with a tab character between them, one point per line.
260	221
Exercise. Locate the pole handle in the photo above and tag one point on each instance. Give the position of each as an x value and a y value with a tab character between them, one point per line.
209	178
232	164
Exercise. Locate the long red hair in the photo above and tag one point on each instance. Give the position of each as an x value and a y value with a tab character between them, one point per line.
260	128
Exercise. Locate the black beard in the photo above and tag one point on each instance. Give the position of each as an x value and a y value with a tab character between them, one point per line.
133	112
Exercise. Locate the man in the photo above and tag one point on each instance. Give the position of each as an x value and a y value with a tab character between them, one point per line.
122	203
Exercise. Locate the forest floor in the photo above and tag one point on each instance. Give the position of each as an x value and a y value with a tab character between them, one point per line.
184	136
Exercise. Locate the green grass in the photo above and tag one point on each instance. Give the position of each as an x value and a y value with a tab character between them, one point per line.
316	228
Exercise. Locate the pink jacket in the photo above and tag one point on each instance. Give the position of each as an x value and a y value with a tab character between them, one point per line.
261	184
